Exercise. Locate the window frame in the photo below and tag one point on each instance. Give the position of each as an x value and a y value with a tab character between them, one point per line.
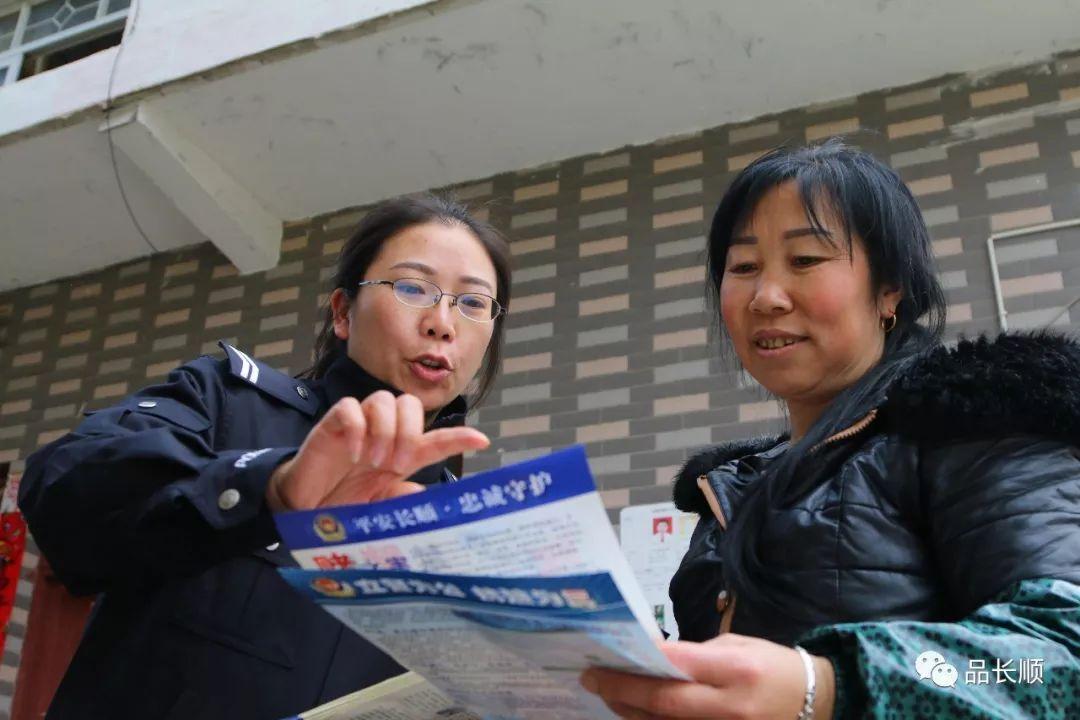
13	57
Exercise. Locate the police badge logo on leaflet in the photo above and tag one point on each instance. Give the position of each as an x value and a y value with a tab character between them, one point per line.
332	588
329	528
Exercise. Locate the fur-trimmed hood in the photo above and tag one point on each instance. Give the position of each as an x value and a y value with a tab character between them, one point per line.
1015	384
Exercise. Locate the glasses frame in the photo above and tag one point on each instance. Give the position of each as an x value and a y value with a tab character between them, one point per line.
499	309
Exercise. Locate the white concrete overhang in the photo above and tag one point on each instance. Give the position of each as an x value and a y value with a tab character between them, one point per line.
356	106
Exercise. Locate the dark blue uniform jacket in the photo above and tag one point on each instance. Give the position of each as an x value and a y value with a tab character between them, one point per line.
157	504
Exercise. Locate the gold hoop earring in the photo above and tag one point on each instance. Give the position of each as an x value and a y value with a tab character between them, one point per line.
888	323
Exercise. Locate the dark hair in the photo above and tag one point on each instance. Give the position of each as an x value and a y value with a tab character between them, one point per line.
380	224
871	202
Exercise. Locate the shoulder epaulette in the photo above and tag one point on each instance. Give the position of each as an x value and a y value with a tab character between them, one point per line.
270	381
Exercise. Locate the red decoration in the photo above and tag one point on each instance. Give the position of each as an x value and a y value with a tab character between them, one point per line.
12	544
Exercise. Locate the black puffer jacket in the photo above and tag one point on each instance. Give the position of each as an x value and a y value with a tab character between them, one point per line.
961	482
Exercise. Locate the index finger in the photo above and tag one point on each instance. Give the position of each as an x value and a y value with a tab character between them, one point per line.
436	445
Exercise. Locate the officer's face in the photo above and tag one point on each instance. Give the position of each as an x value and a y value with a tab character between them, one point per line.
431	352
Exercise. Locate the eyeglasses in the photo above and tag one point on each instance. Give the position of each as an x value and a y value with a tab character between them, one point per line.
418	293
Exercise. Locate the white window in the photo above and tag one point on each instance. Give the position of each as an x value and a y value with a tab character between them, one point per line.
38	35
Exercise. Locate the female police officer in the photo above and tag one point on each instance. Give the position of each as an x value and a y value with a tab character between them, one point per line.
163	503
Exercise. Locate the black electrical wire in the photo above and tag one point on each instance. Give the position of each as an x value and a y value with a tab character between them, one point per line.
109	129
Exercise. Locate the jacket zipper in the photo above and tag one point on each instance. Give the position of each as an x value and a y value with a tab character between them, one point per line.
849	432
725	600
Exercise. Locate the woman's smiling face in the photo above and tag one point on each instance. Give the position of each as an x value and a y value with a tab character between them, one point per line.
799	307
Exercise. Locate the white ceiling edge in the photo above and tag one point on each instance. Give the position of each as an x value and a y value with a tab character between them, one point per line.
431	101
167	41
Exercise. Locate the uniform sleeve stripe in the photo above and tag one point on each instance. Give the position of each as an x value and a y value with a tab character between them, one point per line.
249	370
253	375
234	356
246	366
274	382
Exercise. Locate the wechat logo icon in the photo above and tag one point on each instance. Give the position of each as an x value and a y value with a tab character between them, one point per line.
931	665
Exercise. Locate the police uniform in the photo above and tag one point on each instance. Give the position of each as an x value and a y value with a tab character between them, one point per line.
158	503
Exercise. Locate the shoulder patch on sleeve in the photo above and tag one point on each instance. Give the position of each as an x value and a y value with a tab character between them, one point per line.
241	364
274	383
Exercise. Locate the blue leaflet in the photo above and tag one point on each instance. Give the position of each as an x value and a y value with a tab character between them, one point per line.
558	476
593	596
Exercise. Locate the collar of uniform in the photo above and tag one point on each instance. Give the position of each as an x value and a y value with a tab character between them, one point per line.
345	378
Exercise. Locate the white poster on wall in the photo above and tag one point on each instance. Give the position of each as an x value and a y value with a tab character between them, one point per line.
654	539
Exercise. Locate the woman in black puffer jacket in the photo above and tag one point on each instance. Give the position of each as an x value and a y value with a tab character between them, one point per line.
916	537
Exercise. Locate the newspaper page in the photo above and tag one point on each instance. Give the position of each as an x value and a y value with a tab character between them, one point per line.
502	647
538	518
654	539
405	697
